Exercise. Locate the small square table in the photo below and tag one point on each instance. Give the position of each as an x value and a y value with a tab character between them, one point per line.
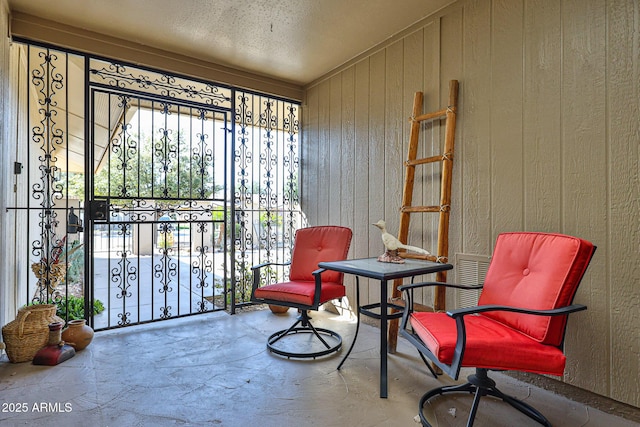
383	271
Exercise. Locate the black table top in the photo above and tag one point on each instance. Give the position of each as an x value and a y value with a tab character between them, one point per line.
374	269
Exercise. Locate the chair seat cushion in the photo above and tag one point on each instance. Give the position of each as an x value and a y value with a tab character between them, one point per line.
300	292
489	344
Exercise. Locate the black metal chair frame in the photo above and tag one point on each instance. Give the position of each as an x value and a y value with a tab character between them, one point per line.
479	384
304	320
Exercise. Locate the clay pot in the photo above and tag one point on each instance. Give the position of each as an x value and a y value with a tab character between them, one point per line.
78	334
278	309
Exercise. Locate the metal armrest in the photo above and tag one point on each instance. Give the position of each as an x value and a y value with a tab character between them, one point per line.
409	288
408	306
319	271
265	264
484	308
255	270
318	290
446	285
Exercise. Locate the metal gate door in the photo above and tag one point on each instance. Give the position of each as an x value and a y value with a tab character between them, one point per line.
145	195
157	211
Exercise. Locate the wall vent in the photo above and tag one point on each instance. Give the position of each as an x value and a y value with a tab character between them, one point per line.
470	270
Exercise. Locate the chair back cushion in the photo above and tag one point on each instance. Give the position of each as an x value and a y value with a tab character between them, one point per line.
538	271
317	244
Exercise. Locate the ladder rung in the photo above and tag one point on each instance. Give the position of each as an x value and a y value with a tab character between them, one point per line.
416	306
409	209
431	116
432	159
429	257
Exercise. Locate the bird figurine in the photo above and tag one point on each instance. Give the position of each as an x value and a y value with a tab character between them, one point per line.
392	245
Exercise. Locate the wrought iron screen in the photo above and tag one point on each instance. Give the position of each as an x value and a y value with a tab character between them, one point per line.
150	194
266	195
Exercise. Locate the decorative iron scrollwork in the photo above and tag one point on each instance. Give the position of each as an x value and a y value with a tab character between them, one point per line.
119	76
266	194
47	191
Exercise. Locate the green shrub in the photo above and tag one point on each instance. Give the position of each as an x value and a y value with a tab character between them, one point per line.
75	262
76	307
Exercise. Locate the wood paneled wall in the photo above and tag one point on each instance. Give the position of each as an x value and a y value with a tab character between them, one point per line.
548	140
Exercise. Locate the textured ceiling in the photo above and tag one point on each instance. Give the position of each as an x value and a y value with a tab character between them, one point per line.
296	41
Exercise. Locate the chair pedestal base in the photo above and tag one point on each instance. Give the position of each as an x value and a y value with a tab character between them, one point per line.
481	385
330	341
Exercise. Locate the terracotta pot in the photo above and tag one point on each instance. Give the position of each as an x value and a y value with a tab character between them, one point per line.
278	309
78	334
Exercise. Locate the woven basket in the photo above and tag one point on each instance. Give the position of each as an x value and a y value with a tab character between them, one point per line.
29	332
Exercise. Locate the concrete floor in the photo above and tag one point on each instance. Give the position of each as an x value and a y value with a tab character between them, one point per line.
214	370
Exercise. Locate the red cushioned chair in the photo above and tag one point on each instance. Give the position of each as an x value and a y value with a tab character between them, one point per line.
519	323
308	287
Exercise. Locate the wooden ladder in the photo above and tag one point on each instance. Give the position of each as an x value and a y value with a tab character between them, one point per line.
417	118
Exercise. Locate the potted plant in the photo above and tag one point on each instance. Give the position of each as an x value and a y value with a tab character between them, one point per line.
52	270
